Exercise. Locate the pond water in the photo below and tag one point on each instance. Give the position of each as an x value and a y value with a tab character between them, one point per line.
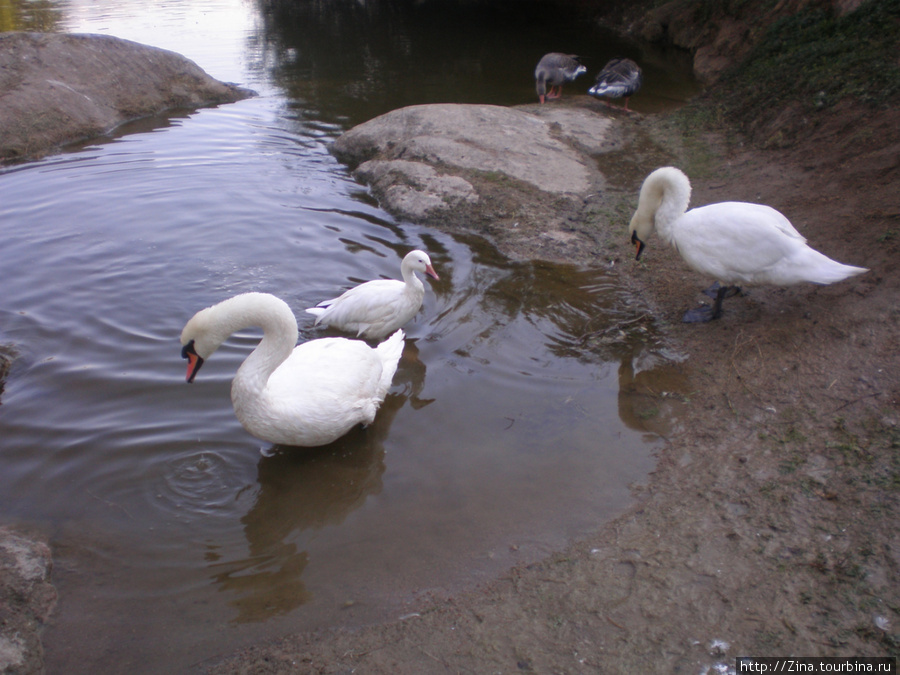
174	538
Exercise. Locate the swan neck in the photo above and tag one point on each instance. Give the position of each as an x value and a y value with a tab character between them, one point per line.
668	212
279	336
670	193
412	279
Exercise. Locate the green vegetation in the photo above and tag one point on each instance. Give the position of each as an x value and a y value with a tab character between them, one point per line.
817	59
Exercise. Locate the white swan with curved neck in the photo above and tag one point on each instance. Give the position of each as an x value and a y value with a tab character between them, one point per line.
305	395
733	242
378	308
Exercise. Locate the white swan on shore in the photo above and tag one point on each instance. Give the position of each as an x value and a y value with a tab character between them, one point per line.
306	395
734	242
378	308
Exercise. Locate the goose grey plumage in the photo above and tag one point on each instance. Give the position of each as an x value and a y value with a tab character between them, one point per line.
620	78
555	69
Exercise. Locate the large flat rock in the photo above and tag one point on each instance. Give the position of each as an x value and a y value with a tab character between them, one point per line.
466	164
57	88
480	137
522	145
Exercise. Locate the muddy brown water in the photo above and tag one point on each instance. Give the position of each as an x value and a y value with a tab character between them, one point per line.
174	537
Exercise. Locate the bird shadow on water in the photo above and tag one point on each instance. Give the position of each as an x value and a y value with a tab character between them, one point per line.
307	489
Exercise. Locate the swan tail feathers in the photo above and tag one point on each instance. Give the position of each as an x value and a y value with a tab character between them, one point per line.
820	269
838	272
318	312
390	352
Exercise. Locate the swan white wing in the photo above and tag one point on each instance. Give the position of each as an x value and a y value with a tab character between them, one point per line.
328	368
736	242
322	390
390	352
372	309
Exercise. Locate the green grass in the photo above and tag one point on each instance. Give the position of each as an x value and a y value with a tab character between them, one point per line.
817	59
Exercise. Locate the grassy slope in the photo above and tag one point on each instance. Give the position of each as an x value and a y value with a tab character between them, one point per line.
807	63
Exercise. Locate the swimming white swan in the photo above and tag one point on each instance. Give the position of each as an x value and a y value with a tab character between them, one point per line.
378	308
555	69
733	242
306	395
620	78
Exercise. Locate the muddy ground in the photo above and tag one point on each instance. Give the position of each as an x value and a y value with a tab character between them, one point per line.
769	526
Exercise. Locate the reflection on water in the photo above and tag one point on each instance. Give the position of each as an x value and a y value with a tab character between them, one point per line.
30	15
297	492
542	380
651	392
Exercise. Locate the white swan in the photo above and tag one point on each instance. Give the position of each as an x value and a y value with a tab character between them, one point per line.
307	395
378	308
733	242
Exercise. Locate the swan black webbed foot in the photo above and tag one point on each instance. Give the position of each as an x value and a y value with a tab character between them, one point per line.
702	314
730	291
705	313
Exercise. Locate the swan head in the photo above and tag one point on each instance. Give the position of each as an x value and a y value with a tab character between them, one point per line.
418	261
637	242
197	342
665	195
189	352
210	327
641	226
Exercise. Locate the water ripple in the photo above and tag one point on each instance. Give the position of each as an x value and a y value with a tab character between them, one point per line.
202	483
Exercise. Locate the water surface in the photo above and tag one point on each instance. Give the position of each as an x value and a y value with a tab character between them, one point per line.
174	538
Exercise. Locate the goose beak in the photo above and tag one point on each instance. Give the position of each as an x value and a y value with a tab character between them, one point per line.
194	361
429	270
638	244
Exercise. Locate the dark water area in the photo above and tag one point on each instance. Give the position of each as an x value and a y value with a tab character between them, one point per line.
503	438
350	61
